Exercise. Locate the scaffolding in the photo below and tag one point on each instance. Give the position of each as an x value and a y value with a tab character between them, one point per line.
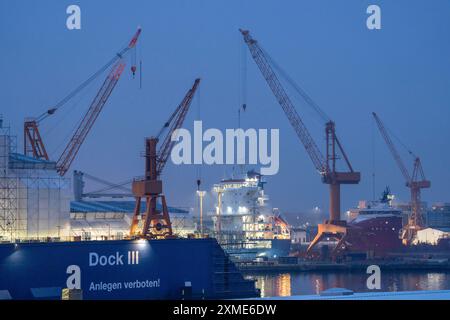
34	199
113	225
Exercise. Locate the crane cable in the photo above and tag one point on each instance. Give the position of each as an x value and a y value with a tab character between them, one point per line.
242	80
242	89
74	106
83	85
310	102
392	134
118	56
199	168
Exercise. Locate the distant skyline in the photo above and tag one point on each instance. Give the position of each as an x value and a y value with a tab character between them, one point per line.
402	72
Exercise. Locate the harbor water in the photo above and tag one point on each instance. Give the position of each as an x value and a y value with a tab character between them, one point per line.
307	283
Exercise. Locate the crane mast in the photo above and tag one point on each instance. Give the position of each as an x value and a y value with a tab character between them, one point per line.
32	141
414	182
156	223
326	166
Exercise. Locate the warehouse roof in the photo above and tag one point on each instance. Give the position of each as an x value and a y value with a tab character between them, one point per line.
113	206
20	161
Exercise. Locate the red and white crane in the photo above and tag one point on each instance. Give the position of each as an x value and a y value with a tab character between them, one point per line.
33	144
415	182
326	166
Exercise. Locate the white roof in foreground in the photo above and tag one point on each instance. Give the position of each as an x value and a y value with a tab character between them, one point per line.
397	295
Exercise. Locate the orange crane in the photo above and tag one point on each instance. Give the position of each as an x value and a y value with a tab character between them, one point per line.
33	144
156	223
326	166
414	182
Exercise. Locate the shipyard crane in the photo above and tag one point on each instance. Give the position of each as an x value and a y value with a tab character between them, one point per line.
33	143
326	166
415	182
156	223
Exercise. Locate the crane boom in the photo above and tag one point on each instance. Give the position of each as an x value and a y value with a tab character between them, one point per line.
175	122
285	103
71	150
392	148
118	56
33	144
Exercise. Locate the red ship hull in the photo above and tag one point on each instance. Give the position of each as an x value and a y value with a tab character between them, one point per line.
379	234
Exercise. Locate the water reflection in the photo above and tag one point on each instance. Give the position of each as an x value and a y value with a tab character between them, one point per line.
286	284
281	284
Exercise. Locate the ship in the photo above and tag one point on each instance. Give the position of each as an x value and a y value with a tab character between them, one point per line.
244	222
121	270
374	229
375	226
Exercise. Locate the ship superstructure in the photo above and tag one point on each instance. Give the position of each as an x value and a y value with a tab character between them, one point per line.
244	222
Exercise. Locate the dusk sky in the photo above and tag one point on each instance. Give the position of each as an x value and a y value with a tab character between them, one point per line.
402	72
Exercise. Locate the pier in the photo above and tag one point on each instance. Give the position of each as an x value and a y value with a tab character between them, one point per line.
307	266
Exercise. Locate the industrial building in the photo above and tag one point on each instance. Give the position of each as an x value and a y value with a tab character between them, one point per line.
34	199
438	225
36	203
103	220
299	235
439	215
432	235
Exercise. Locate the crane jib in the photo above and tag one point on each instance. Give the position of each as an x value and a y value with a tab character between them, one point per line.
285	103
32	139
